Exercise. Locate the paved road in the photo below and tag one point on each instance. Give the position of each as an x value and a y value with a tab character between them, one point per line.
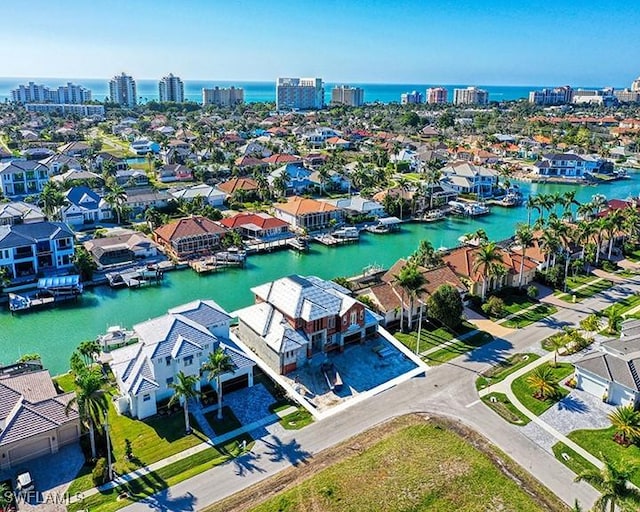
447	390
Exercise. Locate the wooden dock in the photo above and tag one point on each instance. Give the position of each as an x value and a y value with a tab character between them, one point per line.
330	240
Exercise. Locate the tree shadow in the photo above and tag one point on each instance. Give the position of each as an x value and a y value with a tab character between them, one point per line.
494	352
246	464
164	502
572	404
291	452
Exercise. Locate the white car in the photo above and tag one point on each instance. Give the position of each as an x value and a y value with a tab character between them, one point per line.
24	482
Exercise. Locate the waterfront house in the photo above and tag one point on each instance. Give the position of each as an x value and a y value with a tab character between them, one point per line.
307	214
466	178
143	146
119	164
34	420
179	341
84	206
297	177
174	172
127	247
211	195
462	261
260	226
23	177
27	250
190	236
139	199
296	317
129	178
18	212
612	372
570	166
358	205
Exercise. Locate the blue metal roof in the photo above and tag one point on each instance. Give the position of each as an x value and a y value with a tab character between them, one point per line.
56	282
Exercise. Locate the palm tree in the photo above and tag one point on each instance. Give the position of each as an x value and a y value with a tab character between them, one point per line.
116	198
91	401
403	186
613	318
585	211
487	260
600	226
411	280
549	244
532	203
590	324
545	202
525	239
425	255
51	199
615	220
569	199
217	365
576	507
542	382
582	234
280	184
611	481
432	178
263	185
88	349
184	389
6	496
153	218
626	421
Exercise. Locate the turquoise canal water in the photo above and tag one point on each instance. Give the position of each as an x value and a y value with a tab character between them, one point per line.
55	333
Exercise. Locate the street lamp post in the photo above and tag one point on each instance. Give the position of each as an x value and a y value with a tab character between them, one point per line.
419	328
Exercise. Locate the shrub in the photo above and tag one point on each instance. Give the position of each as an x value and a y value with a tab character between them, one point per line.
609	266
99	473
532	292
494	307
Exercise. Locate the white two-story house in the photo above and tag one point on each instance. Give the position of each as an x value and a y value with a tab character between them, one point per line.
84	206
570	165
23	177
466	178
179	341
39	247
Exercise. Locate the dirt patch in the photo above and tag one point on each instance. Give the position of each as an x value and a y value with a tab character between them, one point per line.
288	478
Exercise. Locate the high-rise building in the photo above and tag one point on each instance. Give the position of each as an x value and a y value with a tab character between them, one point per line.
437	95
122	90
627	96
349	96
65	94
225	97
555	96
411	98
470	96
299	94
171	88
635	85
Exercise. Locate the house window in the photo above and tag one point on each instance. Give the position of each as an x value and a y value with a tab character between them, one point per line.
167	360
354	317
361	314
169	381
188	361
332	322
146	398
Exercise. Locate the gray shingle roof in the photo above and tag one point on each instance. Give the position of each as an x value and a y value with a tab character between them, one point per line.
204	312
613	369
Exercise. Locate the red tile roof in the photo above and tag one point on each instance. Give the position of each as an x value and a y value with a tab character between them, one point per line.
300	206
230	186
262	220
187	227
462	262
282	158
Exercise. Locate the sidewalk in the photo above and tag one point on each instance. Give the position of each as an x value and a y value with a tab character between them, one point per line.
213	441
449	343
505	388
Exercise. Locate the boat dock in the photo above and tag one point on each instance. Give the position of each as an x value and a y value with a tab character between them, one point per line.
296	243
19	303
135	277
330	240
219	261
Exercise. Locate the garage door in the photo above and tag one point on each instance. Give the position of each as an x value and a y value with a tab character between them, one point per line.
620	396
239	382
589	385
68	435
31	450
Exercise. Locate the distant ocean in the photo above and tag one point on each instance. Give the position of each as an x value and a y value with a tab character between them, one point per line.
266	91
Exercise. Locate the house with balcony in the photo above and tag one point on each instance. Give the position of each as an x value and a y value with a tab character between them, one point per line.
466	178
56	163
260	226
174	172
129	178
128	247
308	214
211	195
179	341
84	206
139	199
23	177
41	247
18	212
296	317
190	236
570	166
297	177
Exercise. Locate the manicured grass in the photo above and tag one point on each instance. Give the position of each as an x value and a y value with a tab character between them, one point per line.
600	441
515	303
524	393
587	291
430	337
576	462
502	370
458	348
624	305
532	315
66	382
421	467
501	404
633	255
228	423
156	481
297	420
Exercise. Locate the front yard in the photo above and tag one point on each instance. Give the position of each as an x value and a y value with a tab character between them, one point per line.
524	393
583	287
430	338
458	347
530	316
502	370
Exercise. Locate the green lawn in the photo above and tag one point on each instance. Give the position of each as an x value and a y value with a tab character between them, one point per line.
66	382
297	420
430	338
525	395
458	348
501	404
593	286
228	423
515	303
576	462
421	467
152	439
502	370
532	315
600	441
624	305
633	255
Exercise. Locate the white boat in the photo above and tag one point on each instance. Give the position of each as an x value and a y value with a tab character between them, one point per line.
475	209
115	337
434	215
348	232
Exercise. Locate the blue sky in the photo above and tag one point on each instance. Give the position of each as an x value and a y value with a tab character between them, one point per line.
398	41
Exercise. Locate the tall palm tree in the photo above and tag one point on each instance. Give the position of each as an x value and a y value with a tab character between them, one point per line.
611	481
116	199
615	220
91	401
184	389
590	324
546	203
600	226
549	244
568	200
411	280
582	234
626	421
487	260
263	184
425	255
51	199
613	318
432	178
280	184
524	238
532	203
542	382
153	218
218	363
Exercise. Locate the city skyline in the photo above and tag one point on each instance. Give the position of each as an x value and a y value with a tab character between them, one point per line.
406	42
